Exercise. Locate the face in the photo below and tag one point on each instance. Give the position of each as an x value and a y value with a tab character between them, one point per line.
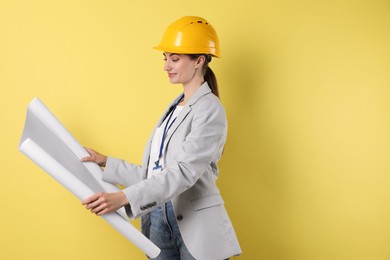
181	69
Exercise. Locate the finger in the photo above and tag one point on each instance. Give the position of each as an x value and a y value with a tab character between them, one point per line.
90	151
101	213
95	209
98	204
101	209
91	199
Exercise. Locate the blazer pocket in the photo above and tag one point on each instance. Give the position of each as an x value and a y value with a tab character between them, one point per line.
207	202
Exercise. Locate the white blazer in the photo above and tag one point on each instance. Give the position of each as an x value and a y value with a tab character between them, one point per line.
194	145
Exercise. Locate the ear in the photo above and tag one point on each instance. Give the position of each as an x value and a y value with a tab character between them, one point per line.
200	61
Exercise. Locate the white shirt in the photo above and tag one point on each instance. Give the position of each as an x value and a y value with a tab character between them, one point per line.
156	143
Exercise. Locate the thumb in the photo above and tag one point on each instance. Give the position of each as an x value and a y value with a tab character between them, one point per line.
87	159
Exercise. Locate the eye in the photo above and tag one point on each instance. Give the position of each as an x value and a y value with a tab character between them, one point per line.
175	58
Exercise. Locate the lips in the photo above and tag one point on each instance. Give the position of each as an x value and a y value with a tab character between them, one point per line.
171	75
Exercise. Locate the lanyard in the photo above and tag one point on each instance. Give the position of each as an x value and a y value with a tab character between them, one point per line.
157	164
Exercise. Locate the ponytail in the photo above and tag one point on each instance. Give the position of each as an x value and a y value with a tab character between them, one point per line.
210	78
209	75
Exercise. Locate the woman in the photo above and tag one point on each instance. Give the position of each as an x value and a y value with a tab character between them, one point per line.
174	191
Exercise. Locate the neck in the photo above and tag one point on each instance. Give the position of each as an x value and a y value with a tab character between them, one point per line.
190	89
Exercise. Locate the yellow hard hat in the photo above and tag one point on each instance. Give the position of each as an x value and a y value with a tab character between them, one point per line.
190	35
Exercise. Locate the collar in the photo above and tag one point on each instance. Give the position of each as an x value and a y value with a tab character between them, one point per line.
204	89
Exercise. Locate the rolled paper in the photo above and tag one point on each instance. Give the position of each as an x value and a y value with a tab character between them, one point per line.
49	145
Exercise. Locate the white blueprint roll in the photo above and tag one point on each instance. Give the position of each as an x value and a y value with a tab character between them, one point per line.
80	190
49	145
47	118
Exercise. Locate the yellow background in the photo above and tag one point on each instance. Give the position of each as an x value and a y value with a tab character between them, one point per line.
306	87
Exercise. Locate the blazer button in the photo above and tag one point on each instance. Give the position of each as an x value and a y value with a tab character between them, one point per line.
179	217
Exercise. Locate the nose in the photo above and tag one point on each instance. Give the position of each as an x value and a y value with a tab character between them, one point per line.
167	67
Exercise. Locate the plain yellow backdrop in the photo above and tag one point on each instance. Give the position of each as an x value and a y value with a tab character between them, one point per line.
306	87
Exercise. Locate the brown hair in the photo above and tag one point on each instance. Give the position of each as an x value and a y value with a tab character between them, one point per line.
208	74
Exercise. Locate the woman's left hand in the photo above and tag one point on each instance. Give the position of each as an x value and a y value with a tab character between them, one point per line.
102	203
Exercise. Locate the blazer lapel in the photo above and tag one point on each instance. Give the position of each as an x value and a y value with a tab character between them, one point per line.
146	155
203	90
165	114
178	121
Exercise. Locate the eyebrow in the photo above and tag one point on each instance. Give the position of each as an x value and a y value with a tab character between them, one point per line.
164	54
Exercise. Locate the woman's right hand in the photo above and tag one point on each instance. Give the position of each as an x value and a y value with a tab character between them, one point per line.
95	157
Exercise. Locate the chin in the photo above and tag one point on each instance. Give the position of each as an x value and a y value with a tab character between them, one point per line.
174	81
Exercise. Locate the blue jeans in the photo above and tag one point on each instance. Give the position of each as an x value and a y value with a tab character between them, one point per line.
165	233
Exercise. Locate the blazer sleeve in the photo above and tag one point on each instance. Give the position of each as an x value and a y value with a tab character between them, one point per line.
186	160
120	172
